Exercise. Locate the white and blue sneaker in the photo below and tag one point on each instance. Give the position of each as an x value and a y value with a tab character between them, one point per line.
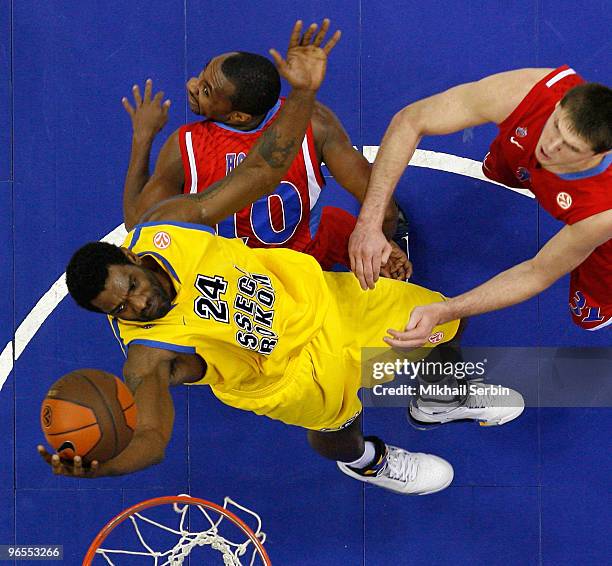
407	473
487	403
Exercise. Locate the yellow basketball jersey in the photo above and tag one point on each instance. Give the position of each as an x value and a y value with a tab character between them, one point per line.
245	311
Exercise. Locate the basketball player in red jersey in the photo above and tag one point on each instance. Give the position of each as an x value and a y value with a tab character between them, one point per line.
238	94
555	138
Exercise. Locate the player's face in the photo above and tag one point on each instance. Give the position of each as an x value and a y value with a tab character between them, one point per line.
133	293
559	146
209	92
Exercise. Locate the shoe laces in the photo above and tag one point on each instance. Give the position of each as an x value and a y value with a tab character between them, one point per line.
401	465
481	401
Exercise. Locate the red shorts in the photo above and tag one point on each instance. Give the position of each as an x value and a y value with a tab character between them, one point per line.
590	297
330	235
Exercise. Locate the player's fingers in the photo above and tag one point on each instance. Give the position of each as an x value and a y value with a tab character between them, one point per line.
77	466
158	97
308	34
407	337
386	252
409	269
320	36
278	60
295	34
377	262
166	105
333	40
93	468
415	318
359	272
415	343
368	271
56	464
43	452
137	97
128	107
148	89
353	262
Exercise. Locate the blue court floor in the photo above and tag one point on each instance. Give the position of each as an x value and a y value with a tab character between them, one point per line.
536	491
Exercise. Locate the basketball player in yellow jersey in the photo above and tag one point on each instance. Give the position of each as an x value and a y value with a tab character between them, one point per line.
267	330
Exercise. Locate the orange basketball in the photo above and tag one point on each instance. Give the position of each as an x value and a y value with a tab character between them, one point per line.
89	413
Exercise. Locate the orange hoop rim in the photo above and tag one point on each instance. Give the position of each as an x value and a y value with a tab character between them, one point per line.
167	500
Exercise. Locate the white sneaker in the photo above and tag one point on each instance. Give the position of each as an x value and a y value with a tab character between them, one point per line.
488	403
408	473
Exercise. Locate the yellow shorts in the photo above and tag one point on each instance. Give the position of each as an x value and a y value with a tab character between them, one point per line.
319	388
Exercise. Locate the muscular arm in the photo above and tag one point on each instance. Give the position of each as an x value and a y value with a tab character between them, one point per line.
259	174
268	161
147	372
141	192
347	165
490	99
561	254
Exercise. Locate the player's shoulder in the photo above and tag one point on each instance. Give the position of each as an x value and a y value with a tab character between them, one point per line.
161	234
504	91
324	121
195	126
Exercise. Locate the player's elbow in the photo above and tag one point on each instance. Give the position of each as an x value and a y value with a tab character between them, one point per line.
209	217
409	119
155	444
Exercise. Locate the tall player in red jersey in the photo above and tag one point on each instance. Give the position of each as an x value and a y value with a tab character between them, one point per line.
555	138
238	94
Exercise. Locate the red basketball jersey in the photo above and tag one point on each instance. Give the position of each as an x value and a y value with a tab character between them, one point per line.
568	197
210	150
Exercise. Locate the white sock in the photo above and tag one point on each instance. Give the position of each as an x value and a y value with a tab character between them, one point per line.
366	458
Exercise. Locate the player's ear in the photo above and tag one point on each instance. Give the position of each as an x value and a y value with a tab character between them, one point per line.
135	259
237	118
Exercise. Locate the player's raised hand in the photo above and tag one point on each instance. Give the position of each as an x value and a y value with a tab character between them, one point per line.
71	468
306	61
368	251
419	328
149	115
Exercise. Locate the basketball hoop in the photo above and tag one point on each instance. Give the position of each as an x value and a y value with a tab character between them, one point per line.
187	511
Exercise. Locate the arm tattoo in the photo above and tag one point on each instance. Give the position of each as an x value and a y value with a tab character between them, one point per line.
274	152
211	191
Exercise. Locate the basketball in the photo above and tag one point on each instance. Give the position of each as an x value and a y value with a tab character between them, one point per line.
88	413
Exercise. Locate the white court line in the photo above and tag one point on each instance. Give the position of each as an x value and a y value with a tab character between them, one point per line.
49	301
447	162
41	311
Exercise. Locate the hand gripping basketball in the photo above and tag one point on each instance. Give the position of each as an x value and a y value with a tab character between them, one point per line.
89	417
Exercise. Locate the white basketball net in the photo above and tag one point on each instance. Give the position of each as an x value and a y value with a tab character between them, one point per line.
231	551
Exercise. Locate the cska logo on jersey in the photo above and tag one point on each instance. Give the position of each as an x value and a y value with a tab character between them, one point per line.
564	200
161	240
522	174
521	132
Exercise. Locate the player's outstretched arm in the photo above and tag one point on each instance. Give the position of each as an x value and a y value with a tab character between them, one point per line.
147	372
266	164
141	191
491	99
347	165
560	255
